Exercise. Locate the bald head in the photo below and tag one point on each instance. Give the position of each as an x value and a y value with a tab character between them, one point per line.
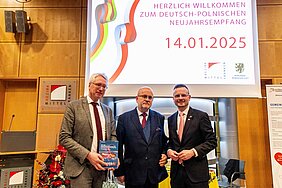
145	88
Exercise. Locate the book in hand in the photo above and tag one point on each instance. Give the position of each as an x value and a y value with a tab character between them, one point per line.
109	151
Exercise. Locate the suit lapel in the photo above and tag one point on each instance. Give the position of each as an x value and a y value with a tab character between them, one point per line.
187	123
173	126
153	125
107	128
87	112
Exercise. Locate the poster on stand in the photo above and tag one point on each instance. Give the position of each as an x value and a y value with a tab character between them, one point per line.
274	110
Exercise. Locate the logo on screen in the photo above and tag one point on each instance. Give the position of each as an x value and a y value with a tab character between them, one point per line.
215	70
239	67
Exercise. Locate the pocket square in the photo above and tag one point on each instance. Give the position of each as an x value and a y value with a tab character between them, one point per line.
158	129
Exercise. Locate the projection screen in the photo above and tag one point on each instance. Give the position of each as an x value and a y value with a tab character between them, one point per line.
210	45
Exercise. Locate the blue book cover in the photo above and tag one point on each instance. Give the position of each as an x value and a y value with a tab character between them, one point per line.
109	151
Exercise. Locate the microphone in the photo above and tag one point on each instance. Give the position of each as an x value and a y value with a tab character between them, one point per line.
12	118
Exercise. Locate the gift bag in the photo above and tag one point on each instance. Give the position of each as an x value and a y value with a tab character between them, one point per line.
110	181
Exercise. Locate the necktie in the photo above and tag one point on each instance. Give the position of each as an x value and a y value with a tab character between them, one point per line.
181	125
98	122
144	119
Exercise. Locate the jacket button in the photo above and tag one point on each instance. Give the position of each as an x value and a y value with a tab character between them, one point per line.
146	158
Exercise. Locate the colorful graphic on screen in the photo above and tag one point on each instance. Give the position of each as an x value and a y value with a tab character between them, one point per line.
164	42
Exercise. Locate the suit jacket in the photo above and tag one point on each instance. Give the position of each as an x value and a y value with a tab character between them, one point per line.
197	134
76	134
141	158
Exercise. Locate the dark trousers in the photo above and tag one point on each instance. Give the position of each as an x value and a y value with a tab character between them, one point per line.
181	180
147	184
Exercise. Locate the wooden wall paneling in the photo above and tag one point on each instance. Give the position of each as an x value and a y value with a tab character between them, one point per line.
10	3
83	59
83	43
48	128
81	88
43	3
266	58
84	3
9	60
52	3
55	47
54	59
254	141
21	101
84	25
269	2
270	22
2	100
270	59
83	48
277	81
54	25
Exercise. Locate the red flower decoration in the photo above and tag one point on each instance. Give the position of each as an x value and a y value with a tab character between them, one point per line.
57	183
55	167
52	176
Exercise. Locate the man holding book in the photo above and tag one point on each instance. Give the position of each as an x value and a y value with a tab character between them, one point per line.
86	122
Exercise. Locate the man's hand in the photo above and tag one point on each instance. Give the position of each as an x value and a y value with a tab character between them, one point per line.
96	160
186	154
163	160
172	154
121	179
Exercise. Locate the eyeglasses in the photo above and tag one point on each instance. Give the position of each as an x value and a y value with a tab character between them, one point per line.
99	85
146	97
181	95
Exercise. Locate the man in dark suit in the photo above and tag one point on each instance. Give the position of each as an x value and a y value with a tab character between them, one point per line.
191	138
82	128
142	144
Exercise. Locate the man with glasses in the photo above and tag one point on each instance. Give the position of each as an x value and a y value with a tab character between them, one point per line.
142	144
191	138
86	121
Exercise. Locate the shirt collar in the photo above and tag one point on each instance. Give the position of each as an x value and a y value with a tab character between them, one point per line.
140	113
89	100
185	111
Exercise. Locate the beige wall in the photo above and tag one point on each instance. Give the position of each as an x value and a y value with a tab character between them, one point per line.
58	39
